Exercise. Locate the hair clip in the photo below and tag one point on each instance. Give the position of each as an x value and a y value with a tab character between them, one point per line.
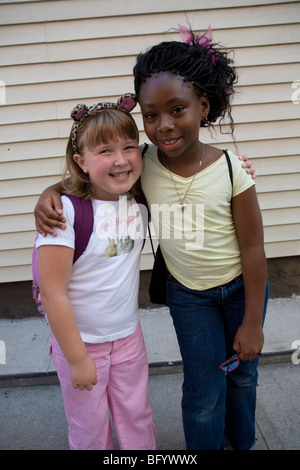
205	40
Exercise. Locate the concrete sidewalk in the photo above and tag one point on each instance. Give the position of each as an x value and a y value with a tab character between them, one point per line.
30	398
26	342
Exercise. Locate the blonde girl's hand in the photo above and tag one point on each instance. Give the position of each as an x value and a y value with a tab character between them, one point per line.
84	373
248	166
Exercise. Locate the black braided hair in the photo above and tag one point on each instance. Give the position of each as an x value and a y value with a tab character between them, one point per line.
211	77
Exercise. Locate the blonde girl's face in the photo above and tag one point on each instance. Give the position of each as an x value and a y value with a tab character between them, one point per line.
113	167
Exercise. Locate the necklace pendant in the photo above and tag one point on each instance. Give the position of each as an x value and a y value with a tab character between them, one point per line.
181	206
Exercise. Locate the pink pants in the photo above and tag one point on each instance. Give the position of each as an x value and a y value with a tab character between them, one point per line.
122	390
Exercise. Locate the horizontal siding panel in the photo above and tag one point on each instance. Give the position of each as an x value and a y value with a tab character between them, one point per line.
15	258
67	50
17	241
277	165
268	74
266	148
32	169
44	11
117	46
19	151
17	205
268	94
282	216
37	112
278	183
12	223
265	130
53	58
76	90
281	233
74	50
279	199
288	248
256	113
15	273
26	187
285	54
146	262
86	69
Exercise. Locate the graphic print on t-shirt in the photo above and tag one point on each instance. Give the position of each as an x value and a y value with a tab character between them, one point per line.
118	225
118	247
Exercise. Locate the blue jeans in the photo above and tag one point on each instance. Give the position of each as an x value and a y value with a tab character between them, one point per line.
213	404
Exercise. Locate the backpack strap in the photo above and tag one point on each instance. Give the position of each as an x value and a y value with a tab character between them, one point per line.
83	228
83	224
229	166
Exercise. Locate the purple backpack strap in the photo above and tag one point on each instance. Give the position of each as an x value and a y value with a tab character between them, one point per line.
83	227
83	223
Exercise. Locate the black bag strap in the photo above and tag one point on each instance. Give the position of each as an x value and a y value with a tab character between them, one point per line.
146	146
145	149
230	172
229	166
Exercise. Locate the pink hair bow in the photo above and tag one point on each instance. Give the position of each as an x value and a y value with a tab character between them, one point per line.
205	40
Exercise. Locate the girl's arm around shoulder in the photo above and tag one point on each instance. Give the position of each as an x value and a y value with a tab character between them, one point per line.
55	268
249	228
48	210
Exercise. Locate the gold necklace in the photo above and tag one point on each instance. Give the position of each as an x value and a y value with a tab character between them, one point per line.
182	204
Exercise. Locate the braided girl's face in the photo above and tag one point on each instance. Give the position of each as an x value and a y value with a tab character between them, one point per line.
172	113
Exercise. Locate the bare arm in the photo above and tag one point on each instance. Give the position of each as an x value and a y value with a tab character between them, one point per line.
55	267
249	338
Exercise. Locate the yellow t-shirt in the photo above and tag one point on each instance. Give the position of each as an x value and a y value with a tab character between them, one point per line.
199	244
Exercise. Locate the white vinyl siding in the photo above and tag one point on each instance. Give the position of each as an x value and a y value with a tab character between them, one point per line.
55	54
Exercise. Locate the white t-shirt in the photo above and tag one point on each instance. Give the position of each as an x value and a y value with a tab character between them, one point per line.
199	245
104	283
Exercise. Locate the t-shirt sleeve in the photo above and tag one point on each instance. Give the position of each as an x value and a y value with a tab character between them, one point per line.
64	237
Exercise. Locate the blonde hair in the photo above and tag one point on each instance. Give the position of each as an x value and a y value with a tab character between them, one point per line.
99	127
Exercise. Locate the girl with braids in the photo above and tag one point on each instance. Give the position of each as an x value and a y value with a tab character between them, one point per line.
213	241
217	284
